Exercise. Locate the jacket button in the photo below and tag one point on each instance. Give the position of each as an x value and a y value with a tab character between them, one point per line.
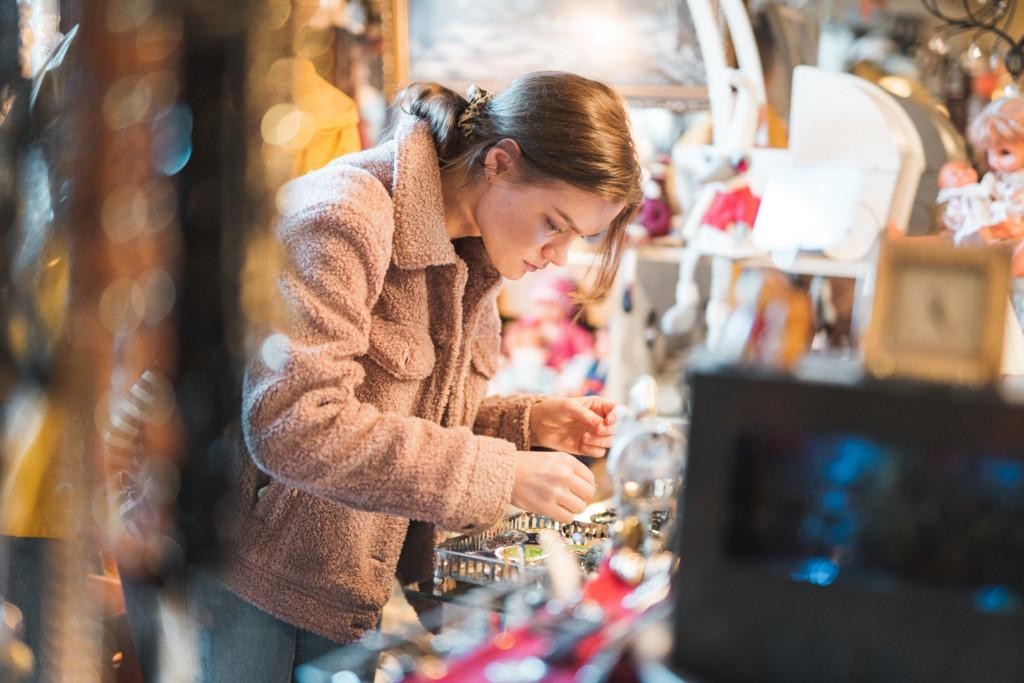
261	490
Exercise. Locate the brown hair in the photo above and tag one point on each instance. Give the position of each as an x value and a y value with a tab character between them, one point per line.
1000	122
568	128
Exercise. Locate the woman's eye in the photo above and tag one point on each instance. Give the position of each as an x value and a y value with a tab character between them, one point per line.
553	227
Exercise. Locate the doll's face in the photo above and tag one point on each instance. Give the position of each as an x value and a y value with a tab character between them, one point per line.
1006	157
957	174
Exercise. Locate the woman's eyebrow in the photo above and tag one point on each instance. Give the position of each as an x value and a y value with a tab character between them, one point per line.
570	222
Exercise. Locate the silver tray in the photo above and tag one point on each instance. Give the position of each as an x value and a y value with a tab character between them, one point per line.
454	559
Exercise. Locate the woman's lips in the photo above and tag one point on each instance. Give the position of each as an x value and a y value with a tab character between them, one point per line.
530	267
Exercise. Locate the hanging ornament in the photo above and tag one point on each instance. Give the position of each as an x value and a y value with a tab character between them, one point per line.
985	20
938	45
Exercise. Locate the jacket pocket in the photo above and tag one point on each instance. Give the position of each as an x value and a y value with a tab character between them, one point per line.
483	363
403	350
484	350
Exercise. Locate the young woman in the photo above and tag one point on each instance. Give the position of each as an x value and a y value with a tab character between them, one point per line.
365	424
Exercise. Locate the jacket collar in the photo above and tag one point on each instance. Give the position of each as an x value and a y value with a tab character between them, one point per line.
421	238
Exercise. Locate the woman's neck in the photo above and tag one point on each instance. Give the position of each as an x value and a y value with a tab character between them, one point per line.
459	200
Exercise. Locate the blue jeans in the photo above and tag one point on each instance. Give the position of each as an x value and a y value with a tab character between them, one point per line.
241	642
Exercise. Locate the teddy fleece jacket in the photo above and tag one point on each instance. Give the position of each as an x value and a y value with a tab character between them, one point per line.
364	422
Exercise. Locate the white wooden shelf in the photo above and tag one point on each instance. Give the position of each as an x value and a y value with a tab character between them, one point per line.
804	264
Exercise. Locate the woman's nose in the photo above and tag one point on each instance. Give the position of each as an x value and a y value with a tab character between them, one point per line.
557	252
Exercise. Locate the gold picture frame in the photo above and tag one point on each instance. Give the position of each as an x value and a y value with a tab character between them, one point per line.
939	312
482	69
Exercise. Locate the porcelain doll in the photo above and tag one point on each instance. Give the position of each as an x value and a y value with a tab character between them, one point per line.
968	203
998	134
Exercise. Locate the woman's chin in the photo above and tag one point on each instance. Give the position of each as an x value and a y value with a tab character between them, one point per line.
511	273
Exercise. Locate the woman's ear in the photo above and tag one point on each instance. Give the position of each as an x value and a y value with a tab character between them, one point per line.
501	158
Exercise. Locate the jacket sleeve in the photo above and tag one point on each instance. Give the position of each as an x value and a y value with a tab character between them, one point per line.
302	421
507	417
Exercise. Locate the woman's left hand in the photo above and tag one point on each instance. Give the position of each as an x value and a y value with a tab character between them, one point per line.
583	426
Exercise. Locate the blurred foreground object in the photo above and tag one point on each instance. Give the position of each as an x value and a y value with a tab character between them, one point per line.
850	531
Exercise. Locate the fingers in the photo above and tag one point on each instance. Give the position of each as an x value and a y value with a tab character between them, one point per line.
601	406
593	446
579	411
582	471
574	505
577	481
604	410
579	489
553	484
560	514
597	441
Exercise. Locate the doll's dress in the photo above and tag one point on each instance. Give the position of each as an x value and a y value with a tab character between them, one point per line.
1007	191
733	207
969	208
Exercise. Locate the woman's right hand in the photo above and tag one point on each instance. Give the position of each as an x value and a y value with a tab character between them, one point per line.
553	484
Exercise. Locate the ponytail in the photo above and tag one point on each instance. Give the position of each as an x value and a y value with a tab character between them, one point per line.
441	108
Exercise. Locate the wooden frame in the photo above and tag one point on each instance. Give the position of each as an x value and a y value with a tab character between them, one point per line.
398	72
979	276
394	19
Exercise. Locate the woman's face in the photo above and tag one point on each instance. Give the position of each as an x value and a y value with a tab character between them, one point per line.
527	227
1006	157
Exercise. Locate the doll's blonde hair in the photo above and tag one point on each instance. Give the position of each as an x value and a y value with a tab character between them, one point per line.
1001	122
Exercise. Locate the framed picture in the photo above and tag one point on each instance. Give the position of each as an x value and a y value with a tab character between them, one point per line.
939	312
646	49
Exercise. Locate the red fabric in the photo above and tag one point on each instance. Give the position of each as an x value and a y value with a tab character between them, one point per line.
735	206
606	589
563	339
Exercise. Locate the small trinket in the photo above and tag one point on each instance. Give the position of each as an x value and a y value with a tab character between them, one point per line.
629	565
628	533
506	538
606	517
528	554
